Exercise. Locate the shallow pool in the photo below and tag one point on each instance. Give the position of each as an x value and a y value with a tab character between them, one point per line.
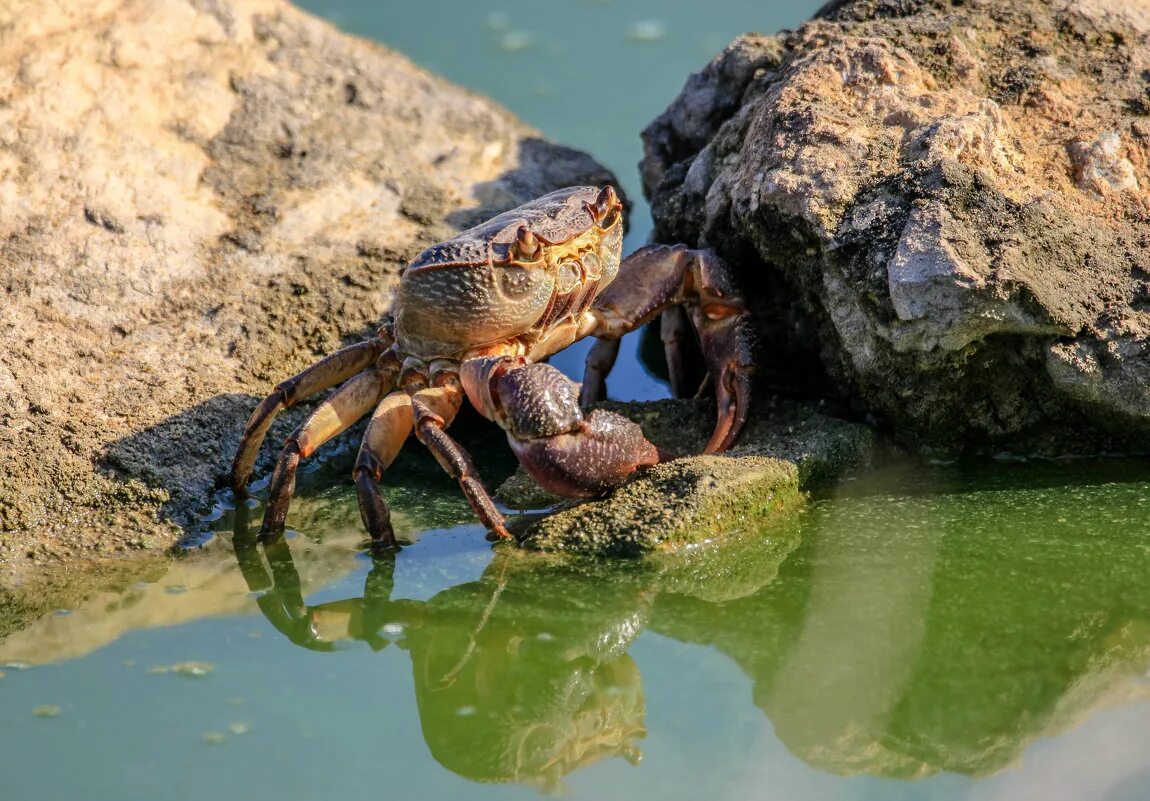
922	632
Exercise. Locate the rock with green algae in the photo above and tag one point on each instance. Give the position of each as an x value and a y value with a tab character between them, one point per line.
695	499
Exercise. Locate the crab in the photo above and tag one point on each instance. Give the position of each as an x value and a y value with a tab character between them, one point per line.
476	316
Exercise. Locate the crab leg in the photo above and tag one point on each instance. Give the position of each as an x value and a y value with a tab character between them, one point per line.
673	328
332	417
388	429
435	409
600	361
335	369
564	451
656	277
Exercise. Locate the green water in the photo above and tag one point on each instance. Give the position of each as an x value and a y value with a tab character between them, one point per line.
921	632
916	633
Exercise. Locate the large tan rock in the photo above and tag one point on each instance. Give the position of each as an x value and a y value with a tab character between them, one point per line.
197	198
949	204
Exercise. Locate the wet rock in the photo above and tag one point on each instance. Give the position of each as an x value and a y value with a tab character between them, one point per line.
693	500
199	199
947	205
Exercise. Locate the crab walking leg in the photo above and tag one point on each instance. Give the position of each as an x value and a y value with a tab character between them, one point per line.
656	277
390	425
600	361
335	415
335	369
673	329
564	451
435	409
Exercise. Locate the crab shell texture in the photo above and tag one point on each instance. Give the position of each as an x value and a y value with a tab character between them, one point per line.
514	277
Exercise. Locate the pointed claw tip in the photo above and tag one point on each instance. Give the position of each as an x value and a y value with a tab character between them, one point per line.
733	398
379	549
499	535
269	536
722	440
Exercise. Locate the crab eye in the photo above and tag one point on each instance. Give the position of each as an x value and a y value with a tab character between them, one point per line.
605	210
527	246
609	219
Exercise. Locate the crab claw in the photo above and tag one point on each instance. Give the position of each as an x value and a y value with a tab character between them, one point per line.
656	278
598	455
727	337
538	406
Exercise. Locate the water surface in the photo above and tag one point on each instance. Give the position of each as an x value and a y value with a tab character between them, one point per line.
917	633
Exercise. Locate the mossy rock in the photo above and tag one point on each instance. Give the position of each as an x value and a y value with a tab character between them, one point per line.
696	499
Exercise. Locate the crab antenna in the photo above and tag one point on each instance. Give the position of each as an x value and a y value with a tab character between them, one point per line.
526	244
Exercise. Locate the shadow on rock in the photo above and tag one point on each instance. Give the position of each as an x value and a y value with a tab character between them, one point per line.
188	454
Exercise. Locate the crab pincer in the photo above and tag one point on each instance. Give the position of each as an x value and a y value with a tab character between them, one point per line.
660	278
564	451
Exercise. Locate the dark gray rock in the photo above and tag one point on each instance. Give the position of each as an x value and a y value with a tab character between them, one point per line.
943	208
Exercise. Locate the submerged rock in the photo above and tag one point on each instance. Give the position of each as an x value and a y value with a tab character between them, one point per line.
200	198
692	500
949	204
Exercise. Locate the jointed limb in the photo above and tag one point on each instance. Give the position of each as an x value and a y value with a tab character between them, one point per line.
673	328
333	370
726	336
564	451
390	425
673	331
658	277
336	414
429	411
600	361
435	409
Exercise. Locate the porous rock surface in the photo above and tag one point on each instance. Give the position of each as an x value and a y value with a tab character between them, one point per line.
197	199
947	205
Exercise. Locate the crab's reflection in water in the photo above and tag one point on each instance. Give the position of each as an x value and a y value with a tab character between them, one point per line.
888	633
513	684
